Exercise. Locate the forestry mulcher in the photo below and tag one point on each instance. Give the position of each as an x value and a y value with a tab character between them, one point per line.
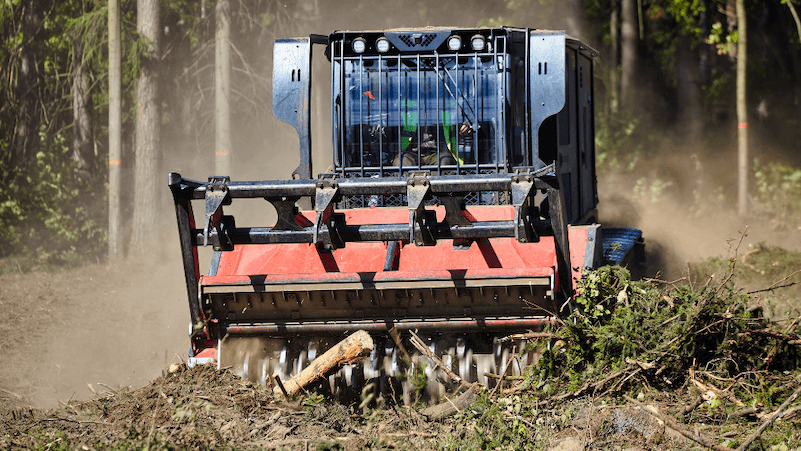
460	204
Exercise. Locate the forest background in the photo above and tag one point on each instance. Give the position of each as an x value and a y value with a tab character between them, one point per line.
666	118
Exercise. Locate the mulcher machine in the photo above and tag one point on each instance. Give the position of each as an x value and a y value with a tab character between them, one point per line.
460	204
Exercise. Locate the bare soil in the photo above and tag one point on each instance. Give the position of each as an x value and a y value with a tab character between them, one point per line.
68	335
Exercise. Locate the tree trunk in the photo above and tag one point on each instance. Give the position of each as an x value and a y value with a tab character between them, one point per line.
628	56
114	130
30	75
222	79
614	37
688	99
82	149
148	131
742	113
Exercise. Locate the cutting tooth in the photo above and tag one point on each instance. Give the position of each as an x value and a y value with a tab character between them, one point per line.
468	355
372	368
313	349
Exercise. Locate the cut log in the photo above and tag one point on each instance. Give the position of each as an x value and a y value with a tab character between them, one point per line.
352	349
448	408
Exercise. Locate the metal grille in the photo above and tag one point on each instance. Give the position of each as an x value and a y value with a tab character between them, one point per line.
444	113
408	39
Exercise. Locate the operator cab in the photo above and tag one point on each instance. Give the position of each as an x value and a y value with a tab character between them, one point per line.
452	101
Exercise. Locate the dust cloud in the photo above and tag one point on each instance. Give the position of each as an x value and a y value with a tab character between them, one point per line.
691	212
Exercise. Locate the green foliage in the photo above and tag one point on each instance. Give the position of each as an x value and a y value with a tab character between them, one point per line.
501	424
779	190
722	40
616	147
601	291
50	213
418	378
650	188
670	330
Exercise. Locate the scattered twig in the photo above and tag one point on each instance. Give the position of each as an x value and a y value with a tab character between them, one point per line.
619	384
709	387
77	421
526	336
770	420
521	419
503	374
280	385
790	413
508	378
745	262
771	288
692	406
410	433
11	393
643	365
67	405
393	332
733	265
744	412
421	346
112	391
600	384
669	320
671	423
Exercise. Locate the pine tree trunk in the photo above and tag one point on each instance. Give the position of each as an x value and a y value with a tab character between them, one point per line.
628	56
30	75
82	149
148	131
742	113
114	130
222	83
614	37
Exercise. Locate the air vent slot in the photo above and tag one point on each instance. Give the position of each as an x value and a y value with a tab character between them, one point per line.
412	41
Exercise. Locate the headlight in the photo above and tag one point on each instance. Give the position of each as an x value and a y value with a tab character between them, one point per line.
382	45
454	43
358	45
478	42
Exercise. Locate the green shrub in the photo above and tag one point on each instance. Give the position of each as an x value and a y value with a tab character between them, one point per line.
779	190
48	214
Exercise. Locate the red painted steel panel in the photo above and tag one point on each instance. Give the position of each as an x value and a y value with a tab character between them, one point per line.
495	257
577	238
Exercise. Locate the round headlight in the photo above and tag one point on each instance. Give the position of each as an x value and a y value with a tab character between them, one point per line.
454	43
382	45
358	45
478	42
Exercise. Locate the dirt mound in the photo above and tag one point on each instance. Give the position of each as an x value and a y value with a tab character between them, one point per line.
203	408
